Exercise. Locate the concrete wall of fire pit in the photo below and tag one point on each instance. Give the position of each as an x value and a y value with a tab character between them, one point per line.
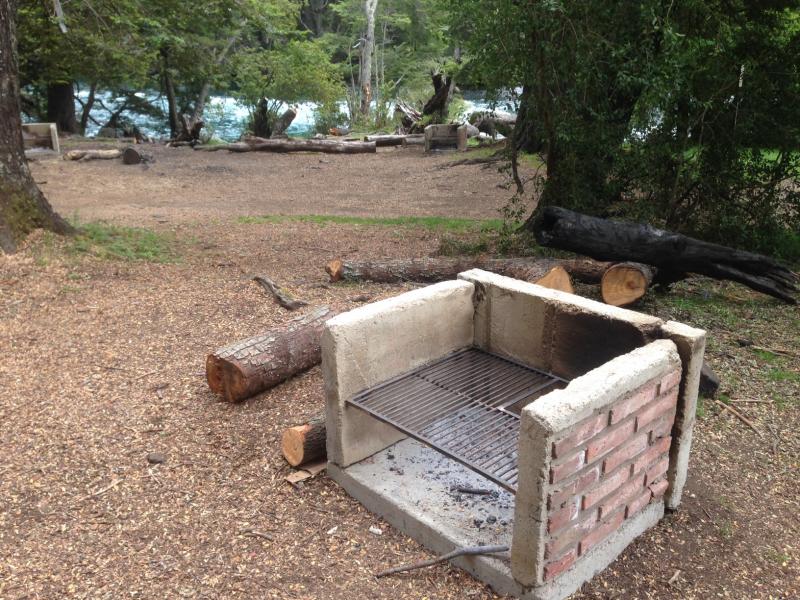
599	460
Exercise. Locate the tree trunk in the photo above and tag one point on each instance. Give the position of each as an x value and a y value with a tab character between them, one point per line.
283	122
672	253
169	92
547	272
251	366
367	50
304	443
86	113
527	136
625	283
327	146
23	207
437	106
61	107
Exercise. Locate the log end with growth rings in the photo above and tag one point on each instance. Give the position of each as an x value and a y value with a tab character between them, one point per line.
335	269
625	283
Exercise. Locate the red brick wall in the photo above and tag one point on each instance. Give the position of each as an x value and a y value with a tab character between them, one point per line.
606	469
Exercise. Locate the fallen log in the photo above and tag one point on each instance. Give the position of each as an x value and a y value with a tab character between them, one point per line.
673	254
395	139
282	296
327	146
109	154
248	367
546	272
303	443
709	381
624	283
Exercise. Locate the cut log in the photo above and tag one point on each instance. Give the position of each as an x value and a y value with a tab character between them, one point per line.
304	443
624	283
93	154
251	366
282	297
132	157
327	146
672	253
547	272
493	123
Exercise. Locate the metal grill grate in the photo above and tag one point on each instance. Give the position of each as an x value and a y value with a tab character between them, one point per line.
465	405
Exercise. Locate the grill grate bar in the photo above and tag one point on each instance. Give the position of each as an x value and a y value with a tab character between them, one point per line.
460	405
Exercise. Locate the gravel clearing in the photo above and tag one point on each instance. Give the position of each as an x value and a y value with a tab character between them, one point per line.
121	475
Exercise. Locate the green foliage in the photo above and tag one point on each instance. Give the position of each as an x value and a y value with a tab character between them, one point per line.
680	114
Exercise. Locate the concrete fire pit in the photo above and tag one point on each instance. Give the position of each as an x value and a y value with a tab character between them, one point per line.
572	417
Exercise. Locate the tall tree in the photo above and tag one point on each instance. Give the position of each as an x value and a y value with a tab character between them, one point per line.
23	207
367	52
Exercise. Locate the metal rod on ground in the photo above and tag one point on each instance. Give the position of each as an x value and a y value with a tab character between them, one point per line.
466	551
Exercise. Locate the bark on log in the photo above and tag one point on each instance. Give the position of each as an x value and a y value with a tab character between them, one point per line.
282	297
93	154
248	367
327	146
624	283
394	140
303	443
672	253
547	272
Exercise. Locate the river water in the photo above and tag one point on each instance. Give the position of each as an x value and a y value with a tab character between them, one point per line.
226	117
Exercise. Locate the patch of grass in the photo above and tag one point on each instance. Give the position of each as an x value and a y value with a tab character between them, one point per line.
725	399
781	558
114	242
776	374
726	529
433	223
453	246
766	356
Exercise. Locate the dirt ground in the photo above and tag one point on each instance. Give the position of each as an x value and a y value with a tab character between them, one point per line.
103	363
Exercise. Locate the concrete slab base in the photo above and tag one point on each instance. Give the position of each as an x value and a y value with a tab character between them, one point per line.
412	487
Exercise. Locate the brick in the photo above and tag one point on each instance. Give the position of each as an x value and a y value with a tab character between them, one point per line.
657	470
659	488
662	427
557	498
669	381
620	498
604	488
655	410
605	529
653	453
626	407
638	503
557	544
636	446
608	441
560	518
585	430
557	567
568	467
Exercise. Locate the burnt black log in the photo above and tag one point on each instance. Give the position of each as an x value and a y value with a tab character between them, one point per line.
672	253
